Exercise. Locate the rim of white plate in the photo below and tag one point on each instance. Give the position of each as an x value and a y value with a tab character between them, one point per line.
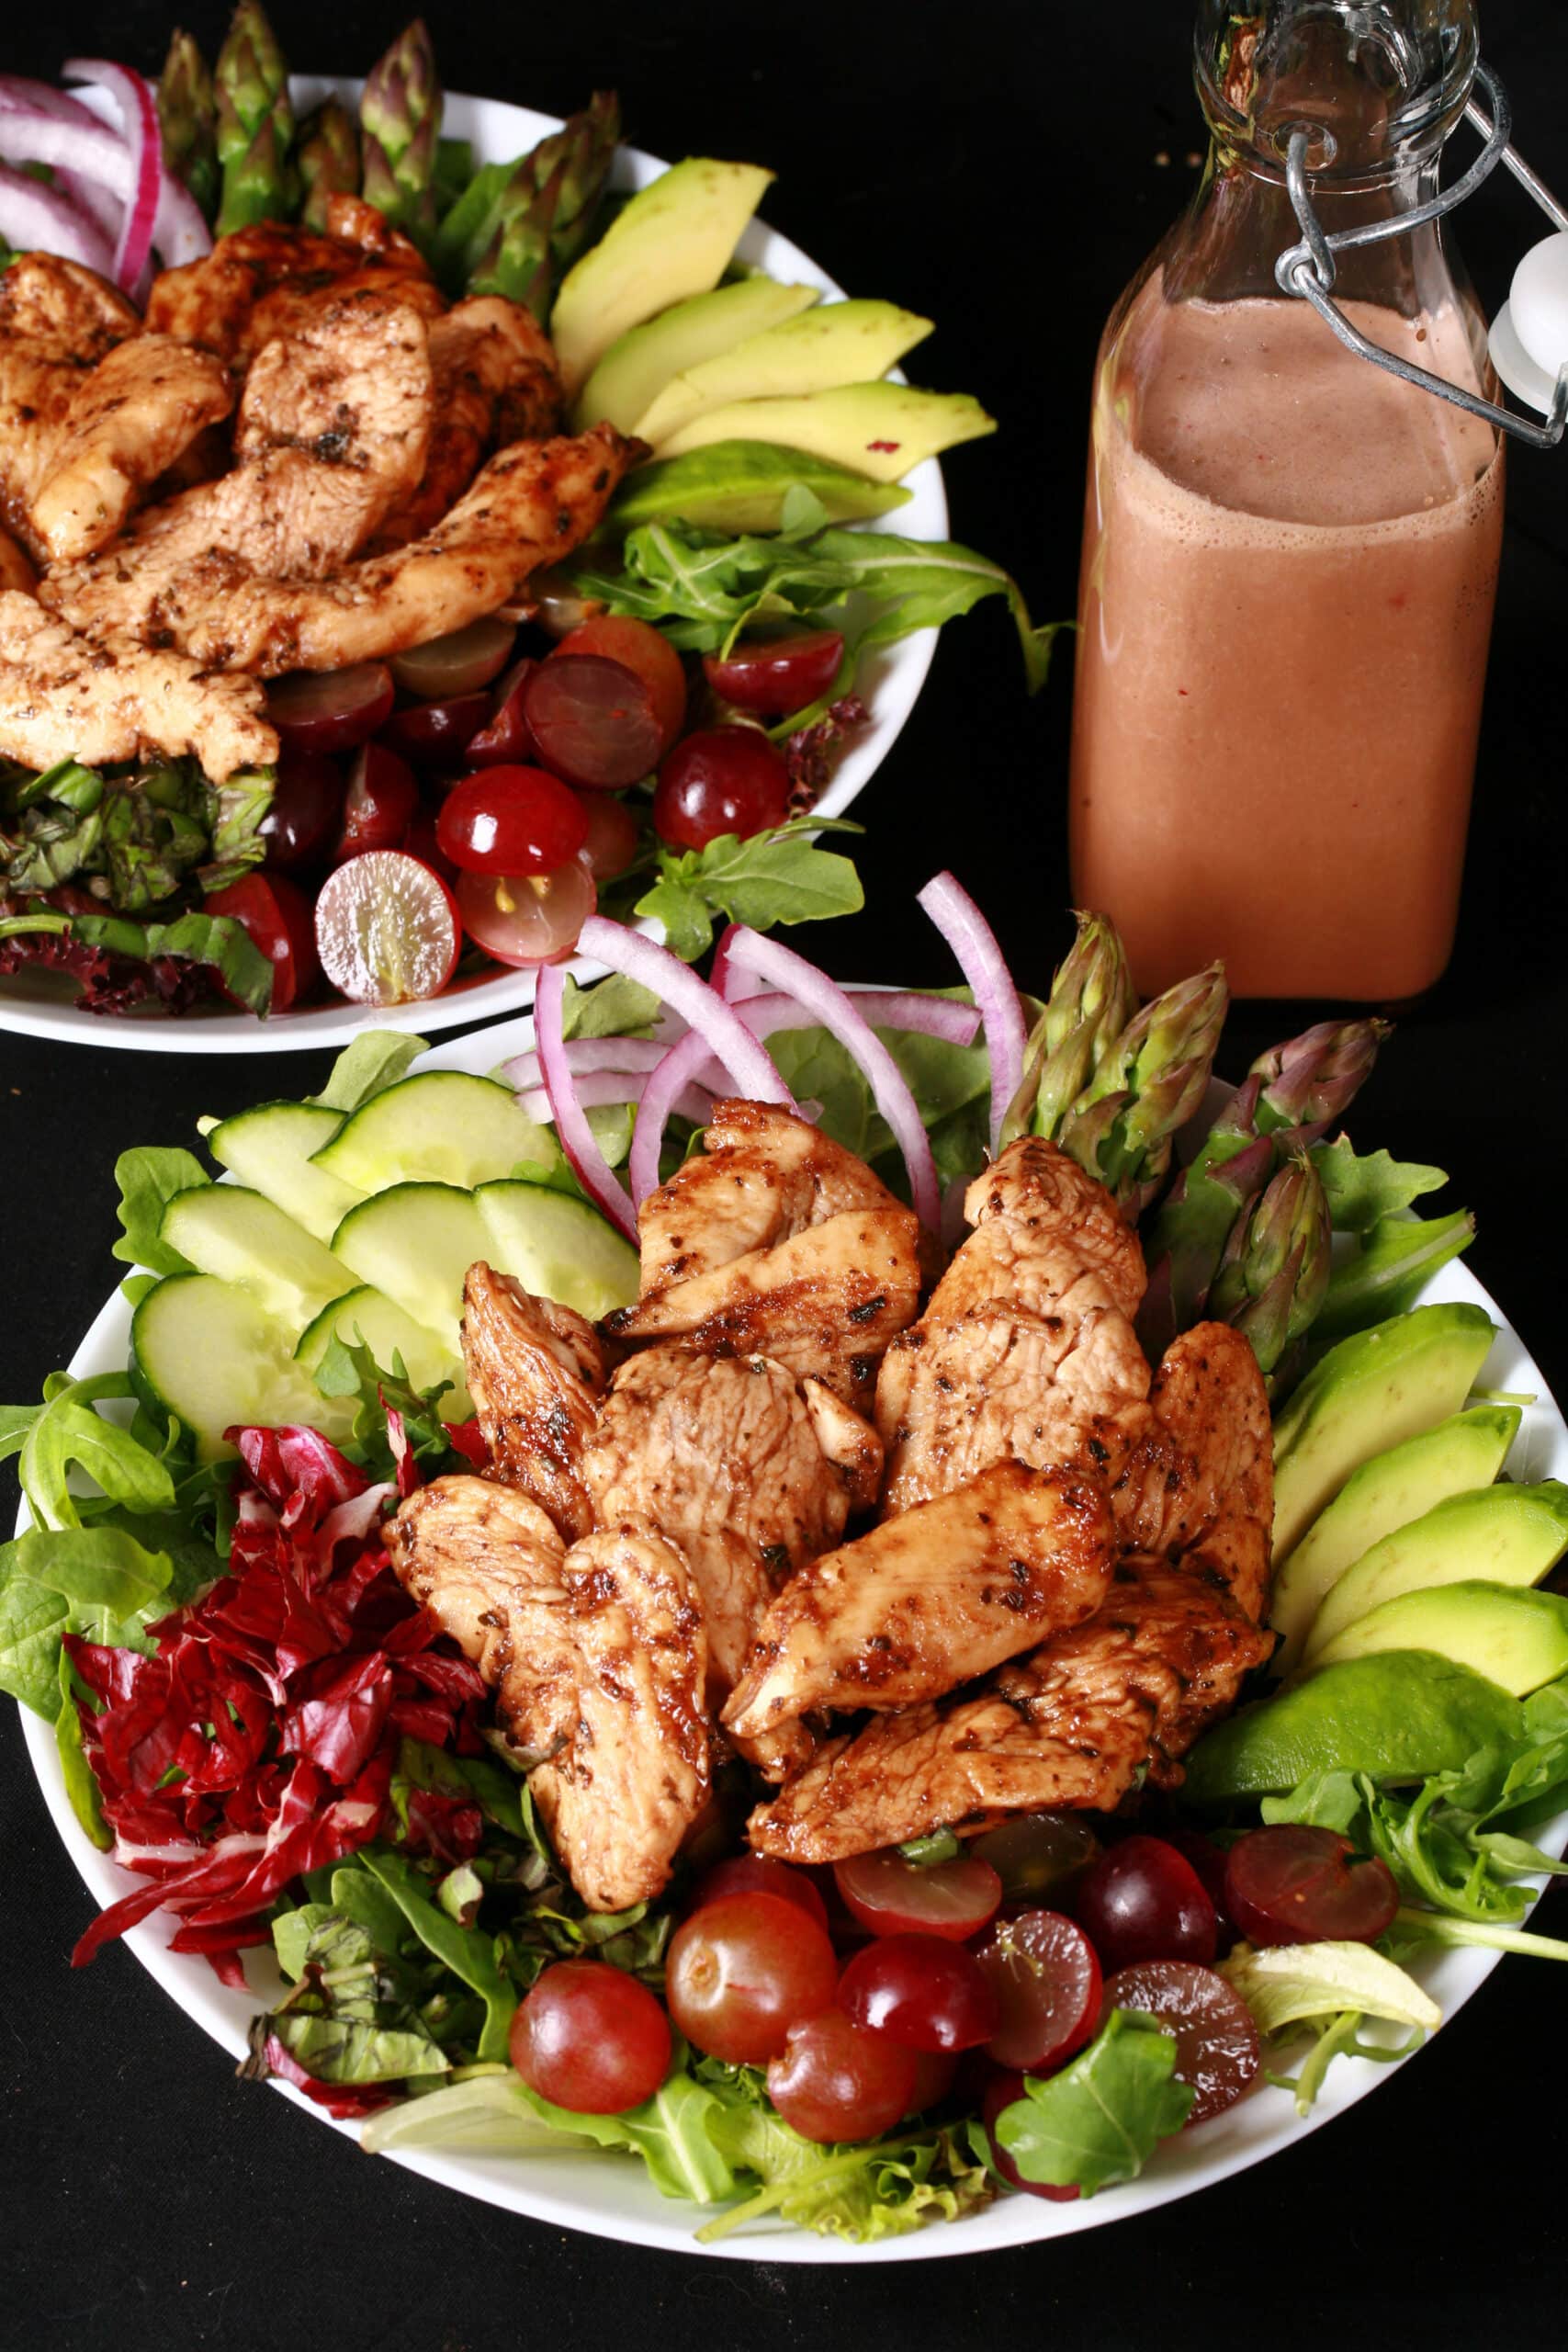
615	2199
892	679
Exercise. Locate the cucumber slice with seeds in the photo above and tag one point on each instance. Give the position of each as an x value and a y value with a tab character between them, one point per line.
270	1149
245	1239
443	1127
208	1352
415	1243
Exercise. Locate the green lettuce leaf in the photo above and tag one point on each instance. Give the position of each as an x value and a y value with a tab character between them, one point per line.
1290	1983
377	1059
149	1178
95	1581
1397	1258
1101	2118
771	878
468	1952
1361	1190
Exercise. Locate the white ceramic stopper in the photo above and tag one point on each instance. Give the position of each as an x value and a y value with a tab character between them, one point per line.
1529	334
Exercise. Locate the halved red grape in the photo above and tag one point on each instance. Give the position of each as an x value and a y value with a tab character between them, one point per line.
1217	2052
924	1991
302	823
277	917
1005	2090
379	804
639	646
437	734
758	1873
511	820
527	918
330	710
387	929
590	2038
720	780
1045	1979
773	675
741	1972
836	2081
1293	1885
612	834
1144	1901
594	721
1039	1857
558	608
503	740
1208	1859
457	664
890	1896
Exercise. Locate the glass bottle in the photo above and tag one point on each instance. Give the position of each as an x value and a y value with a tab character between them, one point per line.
1290	555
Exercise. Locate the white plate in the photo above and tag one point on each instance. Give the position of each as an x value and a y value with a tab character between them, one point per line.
890	680
609	2195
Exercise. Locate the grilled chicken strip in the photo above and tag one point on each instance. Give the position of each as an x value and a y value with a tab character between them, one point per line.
95	698
269	280
495	383
16	567
1028	1337
535	1373
1071	1727
931	1599
57	321
530	506
763	1174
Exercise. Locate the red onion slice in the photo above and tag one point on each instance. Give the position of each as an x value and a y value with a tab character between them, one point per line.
835	1010
701	1007
981	959
925	1016
589	1165
587	1056
610	1089
34	216
138	123
30	136
663	1092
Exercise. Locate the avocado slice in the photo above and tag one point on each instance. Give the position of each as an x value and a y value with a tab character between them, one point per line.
1369	1392
672	240
1506	1536
1518	1640
636	368
1396	1716
843	343
880	430
741	486
1465	1452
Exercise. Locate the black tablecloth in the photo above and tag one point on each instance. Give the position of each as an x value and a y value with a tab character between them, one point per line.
1001	167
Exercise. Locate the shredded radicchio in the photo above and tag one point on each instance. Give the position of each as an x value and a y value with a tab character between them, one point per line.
259	1741
809	753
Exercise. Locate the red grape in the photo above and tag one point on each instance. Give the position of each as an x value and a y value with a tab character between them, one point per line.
639	648
888	1894
302	823
437	734
1208	1859
590	2038
457	664
757	1874
772	675
1144	1901
503	740
595	722
1005	2090
556	607
1039	1857
720	780
511	820
934	2071
741	1972
1216	2041
836	2081
527	918
1045	1978
1293	1885
330	710
612	834
387	929
379	805
923	1991
277	917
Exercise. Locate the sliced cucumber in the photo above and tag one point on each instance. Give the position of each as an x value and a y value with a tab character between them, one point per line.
270	1149
245	1239
388	1331
209	1352
443	1127
415	1243
558	1247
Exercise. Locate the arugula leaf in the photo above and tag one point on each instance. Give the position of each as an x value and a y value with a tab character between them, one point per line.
81	1787
1100	2118
377	1059
348	1368
149	1178
1397	1259
97	1581
65	1432
951	1085
776	878
1364	1190
468	1952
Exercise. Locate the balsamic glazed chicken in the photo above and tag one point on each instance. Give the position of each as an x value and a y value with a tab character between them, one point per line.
916	1573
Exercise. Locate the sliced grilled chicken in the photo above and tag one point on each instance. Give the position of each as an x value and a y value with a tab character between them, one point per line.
271	279
825	1300
57	321
535	1373
931	1599
495	382
16	572
1071	1727
65	695
763	1174
620	1797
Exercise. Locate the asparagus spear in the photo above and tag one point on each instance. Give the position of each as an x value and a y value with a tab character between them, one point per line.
256	123
518	227
1146	1087
328	159
188	117
1310	1081
399	116
1276	1269
1091	1002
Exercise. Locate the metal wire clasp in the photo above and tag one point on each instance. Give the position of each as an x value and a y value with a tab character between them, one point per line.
1308	269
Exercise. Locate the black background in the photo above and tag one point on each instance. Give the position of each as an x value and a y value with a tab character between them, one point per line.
1001	165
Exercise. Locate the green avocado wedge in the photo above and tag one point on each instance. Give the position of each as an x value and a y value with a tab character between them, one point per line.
1370	1392
1396	1716
1499	1535
739	486
635	370
1519	1639
883	431
1465	1452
